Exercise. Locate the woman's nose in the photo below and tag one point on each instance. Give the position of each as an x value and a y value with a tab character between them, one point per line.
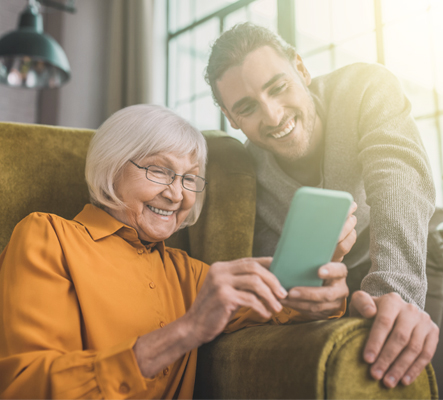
273	113
174	191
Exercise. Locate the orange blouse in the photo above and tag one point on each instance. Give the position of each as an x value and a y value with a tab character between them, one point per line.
74	297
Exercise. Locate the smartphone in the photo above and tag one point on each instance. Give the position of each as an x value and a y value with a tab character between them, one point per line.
310	235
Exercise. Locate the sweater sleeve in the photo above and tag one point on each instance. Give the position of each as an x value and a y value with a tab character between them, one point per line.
41	345
399	190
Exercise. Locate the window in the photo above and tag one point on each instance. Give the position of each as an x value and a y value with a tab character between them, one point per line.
403	35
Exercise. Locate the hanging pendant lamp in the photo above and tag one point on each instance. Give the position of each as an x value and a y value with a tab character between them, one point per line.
29	58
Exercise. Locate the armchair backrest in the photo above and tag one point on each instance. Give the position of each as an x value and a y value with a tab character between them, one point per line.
42	169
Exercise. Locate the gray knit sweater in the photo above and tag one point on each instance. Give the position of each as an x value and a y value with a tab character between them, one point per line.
373	150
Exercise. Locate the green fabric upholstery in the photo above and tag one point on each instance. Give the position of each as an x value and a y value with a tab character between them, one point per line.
42	169
317	360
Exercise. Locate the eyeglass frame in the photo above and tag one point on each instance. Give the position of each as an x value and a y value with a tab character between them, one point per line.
173	178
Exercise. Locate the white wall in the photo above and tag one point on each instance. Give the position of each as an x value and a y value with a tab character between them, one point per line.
82	101
16	105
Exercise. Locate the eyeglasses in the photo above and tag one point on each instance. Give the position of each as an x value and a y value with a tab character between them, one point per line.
166	176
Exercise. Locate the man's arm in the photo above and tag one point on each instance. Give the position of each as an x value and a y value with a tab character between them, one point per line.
401	195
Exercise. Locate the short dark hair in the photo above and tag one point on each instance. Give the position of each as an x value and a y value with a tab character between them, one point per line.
231	48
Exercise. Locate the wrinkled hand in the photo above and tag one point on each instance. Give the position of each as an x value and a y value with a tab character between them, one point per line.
348	236
229	286
321	302
403	338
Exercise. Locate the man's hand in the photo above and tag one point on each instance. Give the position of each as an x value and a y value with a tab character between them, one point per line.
348	236
321	302
229	286
402	341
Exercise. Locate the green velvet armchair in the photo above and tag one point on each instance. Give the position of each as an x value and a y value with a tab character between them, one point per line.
41	169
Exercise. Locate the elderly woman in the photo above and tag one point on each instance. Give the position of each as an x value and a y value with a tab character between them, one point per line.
98	307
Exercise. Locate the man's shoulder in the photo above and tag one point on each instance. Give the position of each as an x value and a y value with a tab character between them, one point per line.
361	74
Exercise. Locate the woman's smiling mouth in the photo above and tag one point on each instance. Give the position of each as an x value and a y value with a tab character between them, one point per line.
159	211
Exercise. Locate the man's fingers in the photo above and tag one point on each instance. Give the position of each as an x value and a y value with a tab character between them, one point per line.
400	336
333	271
417	351
429	347
323	294
316	309
362	305
381	328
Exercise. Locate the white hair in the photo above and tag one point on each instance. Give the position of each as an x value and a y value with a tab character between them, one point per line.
134	133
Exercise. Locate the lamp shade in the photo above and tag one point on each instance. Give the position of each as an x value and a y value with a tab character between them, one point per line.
30	58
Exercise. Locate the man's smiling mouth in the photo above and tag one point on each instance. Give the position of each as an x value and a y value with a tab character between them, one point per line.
159	211
286	130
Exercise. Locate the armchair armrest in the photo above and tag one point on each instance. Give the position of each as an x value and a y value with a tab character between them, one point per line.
315	360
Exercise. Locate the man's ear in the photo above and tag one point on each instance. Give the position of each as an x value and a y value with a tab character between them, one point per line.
302	71
230	119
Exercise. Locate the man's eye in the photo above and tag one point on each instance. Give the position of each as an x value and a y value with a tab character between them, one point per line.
278	89
247	110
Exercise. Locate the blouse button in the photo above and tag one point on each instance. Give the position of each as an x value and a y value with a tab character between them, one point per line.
124	388
162	324
140	251
166	371
152	285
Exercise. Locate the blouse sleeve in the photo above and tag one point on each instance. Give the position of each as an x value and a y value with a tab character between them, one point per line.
41	349
246	317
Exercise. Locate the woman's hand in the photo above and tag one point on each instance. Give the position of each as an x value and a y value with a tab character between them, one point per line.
229	286
348	236
321	302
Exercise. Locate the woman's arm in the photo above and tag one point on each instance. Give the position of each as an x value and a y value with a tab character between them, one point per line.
41	343
227	287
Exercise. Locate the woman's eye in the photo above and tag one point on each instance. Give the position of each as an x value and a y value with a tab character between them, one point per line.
189	178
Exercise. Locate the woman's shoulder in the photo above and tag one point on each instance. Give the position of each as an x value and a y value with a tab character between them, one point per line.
39	222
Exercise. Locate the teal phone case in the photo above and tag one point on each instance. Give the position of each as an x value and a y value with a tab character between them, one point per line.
310	235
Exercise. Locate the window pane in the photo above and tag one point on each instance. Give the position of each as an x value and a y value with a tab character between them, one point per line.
236	17
203	36
399	9
185	111
421	98
408	51
437	44
350	17
264	13
260	12
429	136
313	24
318	64
204	7
207	115
180	67
360	49
180	14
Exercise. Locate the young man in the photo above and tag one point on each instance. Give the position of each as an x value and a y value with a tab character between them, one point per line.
350	130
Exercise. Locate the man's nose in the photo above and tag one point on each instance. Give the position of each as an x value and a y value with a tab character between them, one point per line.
272	113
